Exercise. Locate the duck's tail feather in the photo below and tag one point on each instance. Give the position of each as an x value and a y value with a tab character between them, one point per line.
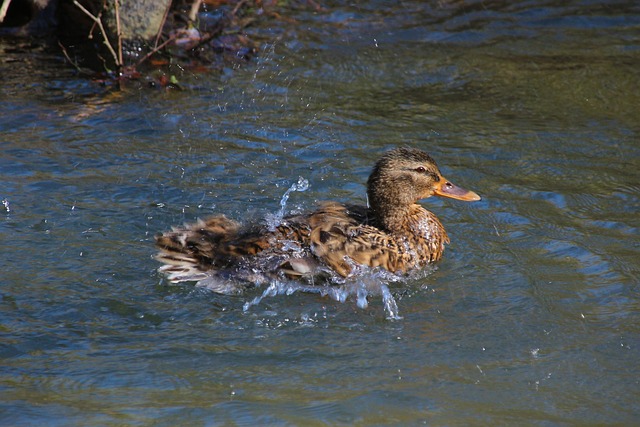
188	252
179	267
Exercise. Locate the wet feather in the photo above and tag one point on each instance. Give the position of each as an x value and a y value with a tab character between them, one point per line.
395	233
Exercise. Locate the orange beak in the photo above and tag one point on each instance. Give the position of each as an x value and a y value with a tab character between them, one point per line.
445	188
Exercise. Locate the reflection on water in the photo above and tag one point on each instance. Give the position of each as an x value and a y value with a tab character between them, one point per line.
532	315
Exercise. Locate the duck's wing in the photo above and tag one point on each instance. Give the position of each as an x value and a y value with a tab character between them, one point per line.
341	237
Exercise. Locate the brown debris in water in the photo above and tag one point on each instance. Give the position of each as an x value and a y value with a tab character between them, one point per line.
117	41
202	35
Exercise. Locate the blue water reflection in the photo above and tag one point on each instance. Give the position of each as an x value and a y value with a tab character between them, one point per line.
531	318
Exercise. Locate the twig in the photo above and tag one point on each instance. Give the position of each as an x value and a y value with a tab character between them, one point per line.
75	64
156	49
195	7
117	7
161	28
3	9
104	34
237	7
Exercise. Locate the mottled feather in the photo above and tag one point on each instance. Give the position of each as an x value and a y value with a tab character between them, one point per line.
394	233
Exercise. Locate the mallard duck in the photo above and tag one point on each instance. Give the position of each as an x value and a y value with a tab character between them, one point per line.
394	232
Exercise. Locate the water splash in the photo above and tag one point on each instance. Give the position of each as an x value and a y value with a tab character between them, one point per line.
5	203
361	296
390	305
362	287
274	220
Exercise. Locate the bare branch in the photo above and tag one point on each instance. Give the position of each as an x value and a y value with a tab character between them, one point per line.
117	7
98	22
155	50
75	64
3	9
195	7
161	28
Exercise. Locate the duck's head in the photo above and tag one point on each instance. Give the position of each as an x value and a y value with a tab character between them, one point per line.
405	175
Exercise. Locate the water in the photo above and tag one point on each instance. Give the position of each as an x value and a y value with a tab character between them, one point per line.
530	319
362	286
274	220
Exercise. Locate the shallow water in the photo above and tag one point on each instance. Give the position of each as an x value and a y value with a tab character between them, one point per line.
532	318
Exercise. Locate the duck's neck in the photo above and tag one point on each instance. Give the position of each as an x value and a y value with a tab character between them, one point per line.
391	216
390	203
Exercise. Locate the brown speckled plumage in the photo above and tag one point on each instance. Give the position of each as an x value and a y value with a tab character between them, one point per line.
394	233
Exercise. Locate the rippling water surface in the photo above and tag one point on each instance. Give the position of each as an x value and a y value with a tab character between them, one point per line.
532	318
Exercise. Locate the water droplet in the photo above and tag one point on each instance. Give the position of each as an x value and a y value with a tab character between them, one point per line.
274	220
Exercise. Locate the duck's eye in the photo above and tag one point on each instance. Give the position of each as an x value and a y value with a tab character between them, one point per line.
421	169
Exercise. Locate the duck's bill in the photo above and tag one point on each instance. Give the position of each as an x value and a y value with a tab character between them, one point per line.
448	189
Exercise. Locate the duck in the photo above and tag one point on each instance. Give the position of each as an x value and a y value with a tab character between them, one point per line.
392	232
